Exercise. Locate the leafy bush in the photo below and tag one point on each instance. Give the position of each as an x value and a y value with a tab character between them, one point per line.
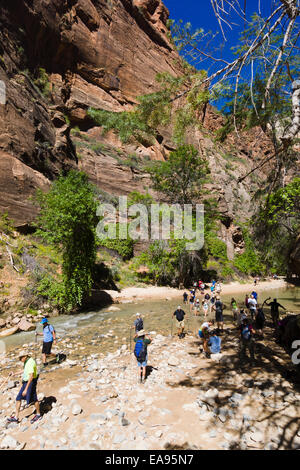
67	221
216	247
123	247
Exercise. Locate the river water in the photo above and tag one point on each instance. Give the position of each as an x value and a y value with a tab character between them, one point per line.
105	331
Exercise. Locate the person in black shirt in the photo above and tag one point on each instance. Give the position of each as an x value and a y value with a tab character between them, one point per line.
179	314
218	307
274	309
185	298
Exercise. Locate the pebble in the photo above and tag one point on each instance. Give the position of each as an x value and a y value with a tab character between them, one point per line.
76	409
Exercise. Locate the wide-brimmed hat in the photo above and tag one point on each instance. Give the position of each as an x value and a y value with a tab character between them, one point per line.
23	353
141	333
138	314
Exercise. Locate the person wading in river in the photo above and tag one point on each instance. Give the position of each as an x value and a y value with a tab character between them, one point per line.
179	314
49	338
274	309
28	389
142	341
138	323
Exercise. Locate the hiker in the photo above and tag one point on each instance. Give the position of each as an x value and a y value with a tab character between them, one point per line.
252	304
218	288
197	306
274	309
204	331
212	302
207	297
138	323
214	343
254	294
247	341
140	351
246	301
234	308
49	338
205	307
185	298
218	307
260	320
28	389
192	300
241	316
179	314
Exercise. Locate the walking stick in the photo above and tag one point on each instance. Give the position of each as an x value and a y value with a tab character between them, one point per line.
3	383
172	327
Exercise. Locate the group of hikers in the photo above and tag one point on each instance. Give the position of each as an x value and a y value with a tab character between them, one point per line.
249	320
208	301
30	376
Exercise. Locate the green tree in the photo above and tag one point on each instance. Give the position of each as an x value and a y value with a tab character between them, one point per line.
181	177
67	220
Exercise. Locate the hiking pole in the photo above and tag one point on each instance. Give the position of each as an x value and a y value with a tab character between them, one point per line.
4	382
172	327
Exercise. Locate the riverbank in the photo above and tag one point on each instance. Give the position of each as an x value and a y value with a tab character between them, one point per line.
154	292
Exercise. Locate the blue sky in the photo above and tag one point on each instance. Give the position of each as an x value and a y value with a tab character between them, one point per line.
200	14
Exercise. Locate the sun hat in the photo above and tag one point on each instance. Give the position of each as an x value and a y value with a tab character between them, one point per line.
23	353
138	314
178	307
141	333
44	321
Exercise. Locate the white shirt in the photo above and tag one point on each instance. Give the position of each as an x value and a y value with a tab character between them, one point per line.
252	303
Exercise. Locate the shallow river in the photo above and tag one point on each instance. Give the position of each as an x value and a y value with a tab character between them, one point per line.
105	331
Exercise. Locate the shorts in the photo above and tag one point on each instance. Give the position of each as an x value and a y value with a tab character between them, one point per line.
31	395
180	324
219	317
47	347
143	364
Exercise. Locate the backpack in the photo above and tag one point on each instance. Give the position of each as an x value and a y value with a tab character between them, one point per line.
140	350
246	333
139	325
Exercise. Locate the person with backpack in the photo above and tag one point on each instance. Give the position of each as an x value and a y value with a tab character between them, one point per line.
138	323
247	341
49	338
142	342
28	389
218	307
179	314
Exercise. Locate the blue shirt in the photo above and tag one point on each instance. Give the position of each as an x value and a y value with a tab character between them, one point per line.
215	344
47	332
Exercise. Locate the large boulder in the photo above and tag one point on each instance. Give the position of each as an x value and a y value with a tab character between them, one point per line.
25	325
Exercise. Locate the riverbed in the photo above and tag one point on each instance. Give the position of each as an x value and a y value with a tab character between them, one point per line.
105	331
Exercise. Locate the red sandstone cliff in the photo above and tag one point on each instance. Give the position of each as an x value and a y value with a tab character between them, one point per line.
99	53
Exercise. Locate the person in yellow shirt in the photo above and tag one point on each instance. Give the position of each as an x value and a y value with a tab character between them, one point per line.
28	389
